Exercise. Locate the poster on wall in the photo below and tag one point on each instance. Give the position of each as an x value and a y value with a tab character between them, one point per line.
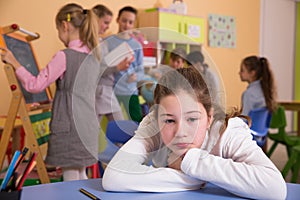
222	31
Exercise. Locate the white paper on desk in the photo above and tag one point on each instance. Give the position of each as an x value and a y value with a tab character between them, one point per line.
118	54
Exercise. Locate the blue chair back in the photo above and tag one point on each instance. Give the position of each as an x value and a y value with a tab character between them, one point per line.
261	118
120	131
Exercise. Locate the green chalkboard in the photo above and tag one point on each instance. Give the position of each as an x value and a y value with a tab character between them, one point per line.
23	52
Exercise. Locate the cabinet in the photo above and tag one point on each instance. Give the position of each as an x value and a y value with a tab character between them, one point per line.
171	27
170	30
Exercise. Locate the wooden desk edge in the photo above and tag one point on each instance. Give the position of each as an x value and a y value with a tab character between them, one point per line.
290	105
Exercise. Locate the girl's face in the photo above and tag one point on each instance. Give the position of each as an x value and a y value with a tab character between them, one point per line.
104	23
126	21
246	75
183	122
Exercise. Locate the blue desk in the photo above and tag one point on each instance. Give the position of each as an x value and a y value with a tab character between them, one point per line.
69	190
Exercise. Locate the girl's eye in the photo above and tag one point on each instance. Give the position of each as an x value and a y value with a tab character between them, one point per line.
169	121
191	119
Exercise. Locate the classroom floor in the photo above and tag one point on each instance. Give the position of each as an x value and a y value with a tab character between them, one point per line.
279	158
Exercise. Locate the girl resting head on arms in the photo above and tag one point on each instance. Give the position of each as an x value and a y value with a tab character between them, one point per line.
187	141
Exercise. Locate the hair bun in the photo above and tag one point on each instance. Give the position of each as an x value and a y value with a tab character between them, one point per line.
262	59
85	11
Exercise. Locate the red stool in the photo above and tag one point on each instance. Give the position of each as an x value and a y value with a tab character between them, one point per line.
95	170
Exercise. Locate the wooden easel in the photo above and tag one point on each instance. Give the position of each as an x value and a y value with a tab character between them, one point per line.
19	106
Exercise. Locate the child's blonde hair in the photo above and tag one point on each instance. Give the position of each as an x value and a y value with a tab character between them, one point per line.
84	20
101	11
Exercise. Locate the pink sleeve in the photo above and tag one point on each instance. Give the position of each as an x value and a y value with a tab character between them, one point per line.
35	84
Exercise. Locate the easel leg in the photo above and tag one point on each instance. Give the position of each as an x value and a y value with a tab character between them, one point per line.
33	145
9	125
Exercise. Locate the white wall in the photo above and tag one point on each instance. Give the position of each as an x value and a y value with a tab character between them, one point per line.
277	43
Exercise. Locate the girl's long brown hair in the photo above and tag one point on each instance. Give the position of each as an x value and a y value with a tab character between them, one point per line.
264	73
191	81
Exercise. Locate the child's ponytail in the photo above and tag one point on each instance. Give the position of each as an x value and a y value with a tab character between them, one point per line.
89	32
85	21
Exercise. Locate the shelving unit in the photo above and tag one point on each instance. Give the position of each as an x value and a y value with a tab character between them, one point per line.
169	30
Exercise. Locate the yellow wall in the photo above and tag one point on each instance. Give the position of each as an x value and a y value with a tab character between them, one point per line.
38	16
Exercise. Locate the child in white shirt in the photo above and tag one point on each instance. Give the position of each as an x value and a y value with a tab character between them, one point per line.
190	141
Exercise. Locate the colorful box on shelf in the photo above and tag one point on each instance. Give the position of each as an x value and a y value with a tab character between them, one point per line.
158	25
149	61
161	10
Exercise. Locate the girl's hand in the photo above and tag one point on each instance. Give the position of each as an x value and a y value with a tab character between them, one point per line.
124	64
174	161
132	78
8	57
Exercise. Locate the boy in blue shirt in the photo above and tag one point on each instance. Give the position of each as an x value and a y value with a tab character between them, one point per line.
125	87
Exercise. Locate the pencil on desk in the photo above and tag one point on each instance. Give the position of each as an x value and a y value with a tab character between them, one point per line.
88	194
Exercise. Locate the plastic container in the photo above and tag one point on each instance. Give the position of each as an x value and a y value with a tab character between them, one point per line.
179	6
13	195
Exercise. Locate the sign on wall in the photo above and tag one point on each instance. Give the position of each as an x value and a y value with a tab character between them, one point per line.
222	31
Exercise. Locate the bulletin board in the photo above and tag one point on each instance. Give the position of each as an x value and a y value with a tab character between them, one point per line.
222	31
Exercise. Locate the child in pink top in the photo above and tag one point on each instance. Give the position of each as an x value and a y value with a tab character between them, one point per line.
72	144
